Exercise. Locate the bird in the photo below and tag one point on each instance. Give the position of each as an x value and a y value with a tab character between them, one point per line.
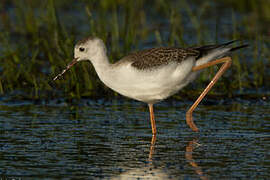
152	75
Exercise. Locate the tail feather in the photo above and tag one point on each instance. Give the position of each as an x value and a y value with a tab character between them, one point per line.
212	46
211	52
239	47
205	50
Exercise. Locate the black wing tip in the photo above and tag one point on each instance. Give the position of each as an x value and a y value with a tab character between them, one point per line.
230	42
233	41
234	48
239	47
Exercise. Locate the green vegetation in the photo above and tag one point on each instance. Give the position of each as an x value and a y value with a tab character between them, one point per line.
37	39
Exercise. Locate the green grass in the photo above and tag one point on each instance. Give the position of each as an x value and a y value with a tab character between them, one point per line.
37	39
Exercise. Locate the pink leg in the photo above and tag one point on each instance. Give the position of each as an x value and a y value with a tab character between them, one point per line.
227	63
152	118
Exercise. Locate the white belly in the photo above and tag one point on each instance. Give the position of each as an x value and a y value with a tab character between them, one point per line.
153	85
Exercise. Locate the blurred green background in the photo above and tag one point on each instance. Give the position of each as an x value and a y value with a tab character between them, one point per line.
37	39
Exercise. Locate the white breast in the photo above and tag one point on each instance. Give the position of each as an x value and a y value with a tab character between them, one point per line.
151	85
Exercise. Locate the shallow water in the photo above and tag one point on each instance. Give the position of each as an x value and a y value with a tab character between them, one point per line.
112	139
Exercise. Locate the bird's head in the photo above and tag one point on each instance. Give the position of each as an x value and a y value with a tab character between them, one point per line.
87	49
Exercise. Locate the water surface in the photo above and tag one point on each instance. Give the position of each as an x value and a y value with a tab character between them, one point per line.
112	139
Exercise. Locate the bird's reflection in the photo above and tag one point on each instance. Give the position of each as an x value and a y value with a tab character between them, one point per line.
189	150
188	155
150	172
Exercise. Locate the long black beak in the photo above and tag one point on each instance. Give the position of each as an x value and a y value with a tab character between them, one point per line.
73	62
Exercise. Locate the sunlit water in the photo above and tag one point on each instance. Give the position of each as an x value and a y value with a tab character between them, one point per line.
112	139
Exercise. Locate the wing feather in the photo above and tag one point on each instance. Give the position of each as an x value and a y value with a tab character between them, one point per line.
154	57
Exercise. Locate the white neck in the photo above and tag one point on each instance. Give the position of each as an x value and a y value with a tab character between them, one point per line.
102	66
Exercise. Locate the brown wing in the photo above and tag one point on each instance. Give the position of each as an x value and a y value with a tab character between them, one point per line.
150	58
